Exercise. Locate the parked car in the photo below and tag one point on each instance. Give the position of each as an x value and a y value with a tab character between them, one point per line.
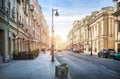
106	53
77	50
116	56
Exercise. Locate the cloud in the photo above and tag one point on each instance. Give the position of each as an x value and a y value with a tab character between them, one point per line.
63	24
69	10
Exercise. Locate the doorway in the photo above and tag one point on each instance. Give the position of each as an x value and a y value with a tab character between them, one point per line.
2	45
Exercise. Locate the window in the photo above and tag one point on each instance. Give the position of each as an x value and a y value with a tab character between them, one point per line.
13	12
19	1
118	26
1	3
118	6
9	6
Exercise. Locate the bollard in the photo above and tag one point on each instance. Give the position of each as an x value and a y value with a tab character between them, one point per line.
61	70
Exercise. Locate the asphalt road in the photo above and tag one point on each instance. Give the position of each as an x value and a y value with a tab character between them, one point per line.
83	66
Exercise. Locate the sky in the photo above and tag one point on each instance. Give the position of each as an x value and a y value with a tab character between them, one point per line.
69	10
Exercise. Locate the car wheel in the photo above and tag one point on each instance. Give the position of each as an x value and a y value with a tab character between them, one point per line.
99	55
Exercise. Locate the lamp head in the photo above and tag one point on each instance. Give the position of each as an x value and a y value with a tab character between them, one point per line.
56	14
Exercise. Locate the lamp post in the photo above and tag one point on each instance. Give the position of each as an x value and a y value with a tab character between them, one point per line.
52	45
72	40
90	46
91	43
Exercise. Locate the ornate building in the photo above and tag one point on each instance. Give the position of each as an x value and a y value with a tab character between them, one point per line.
95	31
117	24
22	27
40	27
8	29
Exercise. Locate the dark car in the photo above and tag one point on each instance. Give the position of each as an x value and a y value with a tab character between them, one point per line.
106	53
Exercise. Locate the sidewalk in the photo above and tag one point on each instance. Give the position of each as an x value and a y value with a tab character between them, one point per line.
39	68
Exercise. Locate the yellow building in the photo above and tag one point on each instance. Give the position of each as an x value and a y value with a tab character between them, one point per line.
70	40
101	29
94	32
40	27
59	44
117	24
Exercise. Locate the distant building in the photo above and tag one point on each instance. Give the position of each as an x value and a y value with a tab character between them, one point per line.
59	44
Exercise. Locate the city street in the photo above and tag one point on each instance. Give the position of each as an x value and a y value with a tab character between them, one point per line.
83	66
33	34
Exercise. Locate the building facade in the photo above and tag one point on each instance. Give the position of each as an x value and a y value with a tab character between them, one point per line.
59	44
95	31
117	24
40	29
22	27
8	29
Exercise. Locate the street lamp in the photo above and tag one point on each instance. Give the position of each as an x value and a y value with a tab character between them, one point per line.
52	46
90	30
91	43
